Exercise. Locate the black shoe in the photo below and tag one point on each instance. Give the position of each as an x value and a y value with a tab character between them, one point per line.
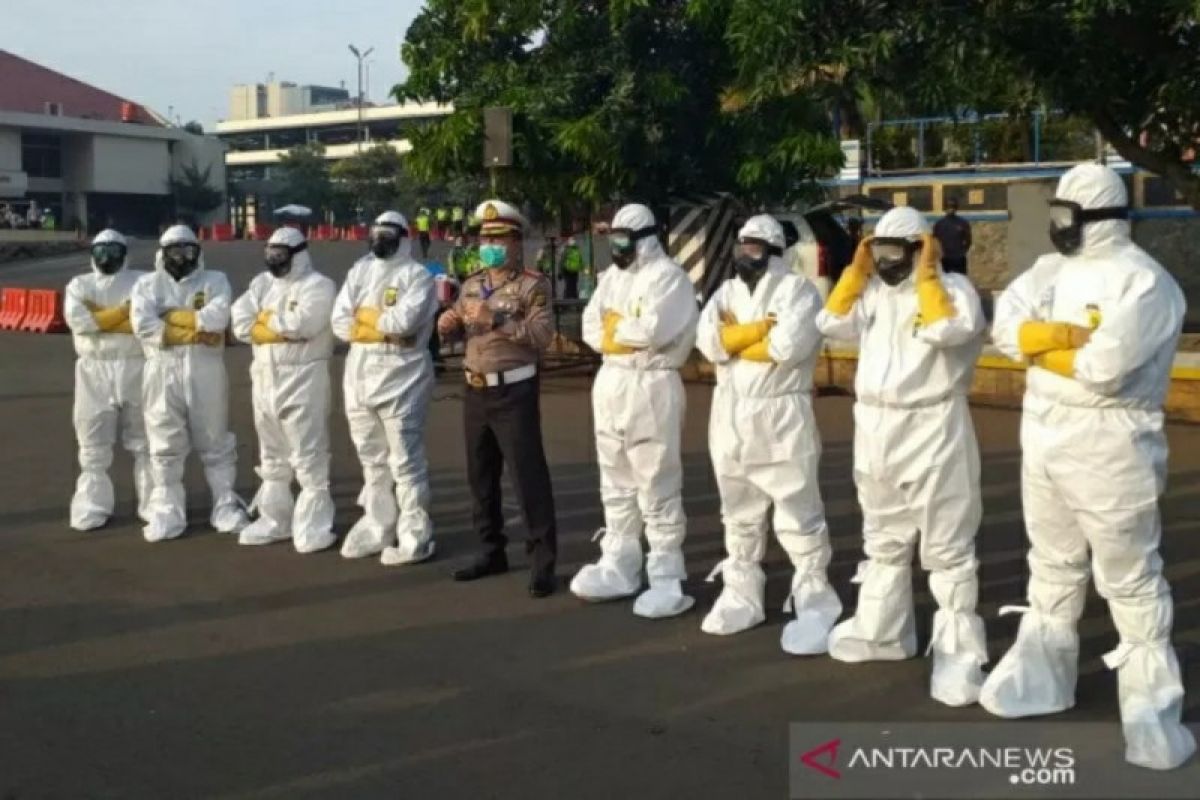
542	585
482	567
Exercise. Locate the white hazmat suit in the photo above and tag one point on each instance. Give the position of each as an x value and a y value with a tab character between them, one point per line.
286	319
643	318
385	310
181	323
108	384
1094	463
916	460
765	445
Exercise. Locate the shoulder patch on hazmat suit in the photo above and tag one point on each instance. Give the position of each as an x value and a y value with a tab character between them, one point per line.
198	300
389	295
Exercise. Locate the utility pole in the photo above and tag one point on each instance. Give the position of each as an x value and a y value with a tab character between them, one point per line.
360	56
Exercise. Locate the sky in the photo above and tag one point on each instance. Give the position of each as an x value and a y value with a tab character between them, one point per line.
182	57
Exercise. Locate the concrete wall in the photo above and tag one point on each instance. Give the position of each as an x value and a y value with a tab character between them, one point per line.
10	150
130	166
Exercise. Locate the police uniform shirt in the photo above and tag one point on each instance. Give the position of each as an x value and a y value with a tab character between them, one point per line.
525	323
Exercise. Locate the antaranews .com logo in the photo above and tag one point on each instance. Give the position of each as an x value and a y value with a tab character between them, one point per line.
1026	766
1001	760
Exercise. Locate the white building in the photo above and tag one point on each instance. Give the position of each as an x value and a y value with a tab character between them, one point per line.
90	157
256	144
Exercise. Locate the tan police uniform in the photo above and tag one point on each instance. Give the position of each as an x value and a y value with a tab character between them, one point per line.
501	411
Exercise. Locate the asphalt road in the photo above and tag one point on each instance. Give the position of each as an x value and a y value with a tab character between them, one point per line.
197	668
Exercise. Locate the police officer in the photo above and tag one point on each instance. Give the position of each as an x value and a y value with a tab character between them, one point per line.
505	315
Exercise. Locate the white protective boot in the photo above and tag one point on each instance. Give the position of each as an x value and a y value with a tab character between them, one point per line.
665	597
376	529
1149	682
618	572
815	604
143	484
740	604
958	644
414	533
883	627
275	506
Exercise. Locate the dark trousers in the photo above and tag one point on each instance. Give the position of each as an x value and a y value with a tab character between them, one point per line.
958	265
423	239
570	285
503	425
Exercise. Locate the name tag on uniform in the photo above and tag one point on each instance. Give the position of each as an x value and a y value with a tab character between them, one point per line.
389	295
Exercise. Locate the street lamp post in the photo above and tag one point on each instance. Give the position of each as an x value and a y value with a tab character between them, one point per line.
360	56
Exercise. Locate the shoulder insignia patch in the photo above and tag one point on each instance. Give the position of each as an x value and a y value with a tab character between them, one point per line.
538	300
389	295
198	300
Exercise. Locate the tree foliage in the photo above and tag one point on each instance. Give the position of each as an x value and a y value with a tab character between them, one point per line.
1130	67
610	99
193	193
303	173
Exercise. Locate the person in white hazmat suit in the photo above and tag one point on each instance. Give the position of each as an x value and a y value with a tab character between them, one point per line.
108	381
760	331
916	460
285	316
385	310
642	317
1098	321
180	312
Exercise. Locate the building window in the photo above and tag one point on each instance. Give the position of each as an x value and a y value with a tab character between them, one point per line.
41	155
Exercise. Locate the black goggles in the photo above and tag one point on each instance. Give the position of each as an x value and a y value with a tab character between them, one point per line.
1069	214
279	254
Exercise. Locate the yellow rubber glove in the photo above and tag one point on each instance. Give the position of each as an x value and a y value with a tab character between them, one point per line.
1035	338
853	282
736	338
1061	362
261	334
124	326
175	335
108	319
367	316
181	318
933	301
609	346
264	318
759	351
210	338
365	334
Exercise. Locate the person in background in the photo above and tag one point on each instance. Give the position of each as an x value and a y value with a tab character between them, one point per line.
422	222
33	216
954	235
854	226
458	217
443	222
571	265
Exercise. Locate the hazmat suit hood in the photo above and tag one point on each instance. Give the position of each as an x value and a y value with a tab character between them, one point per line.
1096	186
766	229
177	234
404	253
301	262
109	236
902	222
636	217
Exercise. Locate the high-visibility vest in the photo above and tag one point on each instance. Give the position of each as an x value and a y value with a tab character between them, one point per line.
443	214
423	223
572	259
457	214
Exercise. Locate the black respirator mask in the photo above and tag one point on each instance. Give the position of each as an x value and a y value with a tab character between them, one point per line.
278	258
893	258
751	258
623	243
1067	220
109	257
385	240
181	260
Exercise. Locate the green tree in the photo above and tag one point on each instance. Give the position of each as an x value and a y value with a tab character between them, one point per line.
376	180
194	127
303	174
1129	67
612	99
194	194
